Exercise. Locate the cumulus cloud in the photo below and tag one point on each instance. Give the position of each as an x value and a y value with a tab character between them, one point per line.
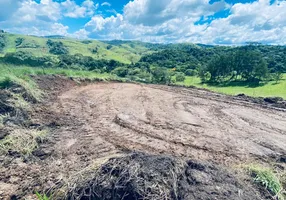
258	21
156	21
175	21
71	9
196	21
40	18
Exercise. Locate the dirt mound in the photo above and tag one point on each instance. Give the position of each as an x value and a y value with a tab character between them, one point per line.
54	84
277	102
152	177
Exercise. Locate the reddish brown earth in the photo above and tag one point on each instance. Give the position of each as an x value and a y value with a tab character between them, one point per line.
102	120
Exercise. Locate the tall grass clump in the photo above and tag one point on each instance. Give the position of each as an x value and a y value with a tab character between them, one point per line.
10	76
22	141
268	179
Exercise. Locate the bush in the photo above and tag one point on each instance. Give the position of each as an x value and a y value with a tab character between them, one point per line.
19	41
25	58
86	41
120	71
161	75
191	72
180	77
57	48
109	47
2	42
94	51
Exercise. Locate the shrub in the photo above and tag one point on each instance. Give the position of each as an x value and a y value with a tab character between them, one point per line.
19	41
191	72
109	47
180	77
120	71
161	75
57	48
25	58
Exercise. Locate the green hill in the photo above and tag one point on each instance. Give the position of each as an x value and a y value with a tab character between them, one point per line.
125	53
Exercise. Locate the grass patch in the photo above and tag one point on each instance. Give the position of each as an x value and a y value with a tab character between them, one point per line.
264	90
2	118
268	179
19	102
42	196
22	141
10	76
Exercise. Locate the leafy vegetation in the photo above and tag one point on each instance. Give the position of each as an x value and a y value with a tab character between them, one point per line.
2	42
57	48
42	196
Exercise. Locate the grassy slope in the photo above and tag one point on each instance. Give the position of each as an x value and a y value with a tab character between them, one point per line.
23	73
125	53
269	89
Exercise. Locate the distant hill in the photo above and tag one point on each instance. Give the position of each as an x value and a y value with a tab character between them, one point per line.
125	52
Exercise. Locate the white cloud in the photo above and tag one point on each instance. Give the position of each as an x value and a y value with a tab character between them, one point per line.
80	34
153	21
41	30
156	21
106	4
174	21
71	9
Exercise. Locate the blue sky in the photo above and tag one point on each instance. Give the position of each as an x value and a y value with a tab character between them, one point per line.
223	22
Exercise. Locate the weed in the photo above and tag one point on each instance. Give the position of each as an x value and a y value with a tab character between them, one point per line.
268	179
42	196
6	82
2	119
22	141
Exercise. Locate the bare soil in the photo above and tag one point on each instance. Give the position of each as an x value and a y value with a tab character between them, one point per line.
94	122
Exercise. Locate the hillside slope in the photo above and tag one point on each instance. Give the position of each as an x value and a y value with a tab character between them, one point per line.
125	53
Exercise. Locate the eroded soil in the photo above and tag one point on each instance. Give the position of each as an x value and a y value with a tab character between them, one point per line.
102	120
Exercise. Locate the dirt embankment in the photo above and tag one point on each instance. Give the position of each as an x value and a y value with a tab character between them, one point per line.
98	121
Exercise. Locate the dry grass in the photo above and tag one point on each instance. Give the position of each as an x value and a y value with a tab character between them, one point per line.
22	141
134	176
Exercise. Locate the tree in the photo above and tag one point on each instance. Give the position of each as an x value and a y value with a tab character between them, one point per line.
277	76
260	70
161	75
191	72
57	48
120	71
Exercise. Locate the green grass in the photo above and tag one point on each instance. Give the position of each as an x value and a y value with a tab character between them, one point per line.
267	90
42	196
267	178
10	76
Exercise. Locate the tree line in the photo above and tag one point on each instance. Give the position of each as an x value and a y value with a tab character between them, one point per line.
172	62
